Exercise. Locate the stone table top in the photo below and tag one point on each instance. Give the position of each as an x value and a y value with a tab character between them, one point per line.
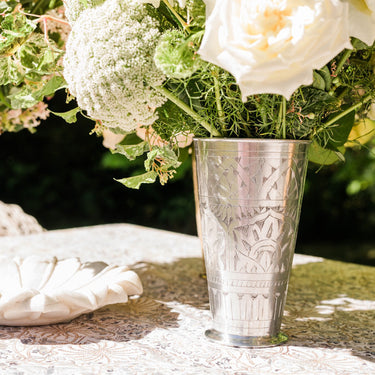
329	315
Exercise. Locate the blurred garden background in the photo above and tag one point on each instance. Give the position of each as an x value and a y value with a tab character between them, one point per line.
64	177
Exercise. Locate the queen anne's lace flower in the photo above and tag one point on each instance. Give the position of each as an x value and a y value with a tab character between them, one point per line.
109	64
73	8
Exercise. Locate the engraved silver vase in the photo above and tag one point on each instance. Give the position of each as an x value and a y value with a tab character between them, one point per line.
250	193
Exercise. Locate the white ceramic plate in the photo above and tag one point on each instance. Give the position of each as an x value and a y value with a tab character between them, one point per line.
38	291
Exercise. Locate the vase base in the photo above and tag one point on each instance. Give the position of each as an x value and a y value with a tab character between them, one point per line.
245	341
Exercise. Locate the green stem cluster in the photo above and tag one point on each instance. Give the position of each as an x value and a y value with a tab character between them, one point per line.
281	124
209	127
182	22
354	107
343	59
218	102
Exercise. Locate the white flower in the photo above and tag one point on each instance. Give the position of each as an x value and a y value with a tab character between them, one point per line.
362	20
272	46
109	66
73	8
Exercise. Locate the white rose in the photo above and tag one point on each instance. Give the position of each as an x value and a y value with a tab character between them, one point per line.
362	20
272	46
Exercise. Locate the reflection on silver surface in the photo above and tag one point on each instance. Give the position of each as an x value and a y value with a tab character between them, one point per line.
250	194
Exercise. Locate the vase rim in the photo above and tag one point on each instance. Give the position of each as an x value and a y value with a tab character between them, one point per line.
252	140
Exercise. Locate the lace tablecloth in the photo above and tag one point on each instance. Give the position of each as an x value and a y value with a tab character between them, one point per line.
329	315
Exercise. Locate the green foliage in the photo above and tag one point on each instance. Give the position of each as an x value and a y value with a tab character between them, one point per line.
340	133
172	121
28	60
28	95
15	29
10	72
69	116
323	156
131	151
197	13
318	111
164	157
135	182
322	79
160	162
176	56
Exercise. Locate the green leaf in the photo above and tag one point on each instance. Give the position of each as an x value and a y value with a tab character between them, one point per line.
15	29
340	132
26	97
52	85
28	54
70	116
131	151
358	44
362	132
22	98
37	56
318	81
326	75
136	181
49	60
176	56
10	72
323	156
129	139
170	159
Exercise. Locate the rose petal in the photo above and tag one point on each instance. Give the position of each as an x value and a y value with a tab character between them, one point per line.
273	47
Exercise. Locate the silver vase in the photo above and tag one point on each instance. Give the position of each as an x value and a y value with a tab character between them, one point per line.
250	193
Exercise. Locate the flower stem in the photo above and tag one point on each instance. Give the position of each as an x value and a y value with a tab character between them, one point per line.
209	127
281	126
218	102
283	103
350	109
37	5
182	22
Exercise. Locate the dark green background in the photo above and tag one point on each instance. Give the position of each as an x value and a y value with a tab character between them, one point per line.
65	178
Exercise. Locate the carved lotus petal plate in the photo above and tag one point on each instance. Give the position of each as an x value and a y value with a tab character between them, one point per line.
38	291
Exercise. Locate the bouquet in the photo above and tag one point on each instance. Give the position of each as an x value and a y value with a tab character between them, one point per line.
154	73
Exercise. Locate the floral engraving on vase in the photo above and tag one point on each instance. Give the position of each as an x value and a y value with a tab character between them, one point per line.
258	246
264	241
252	178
